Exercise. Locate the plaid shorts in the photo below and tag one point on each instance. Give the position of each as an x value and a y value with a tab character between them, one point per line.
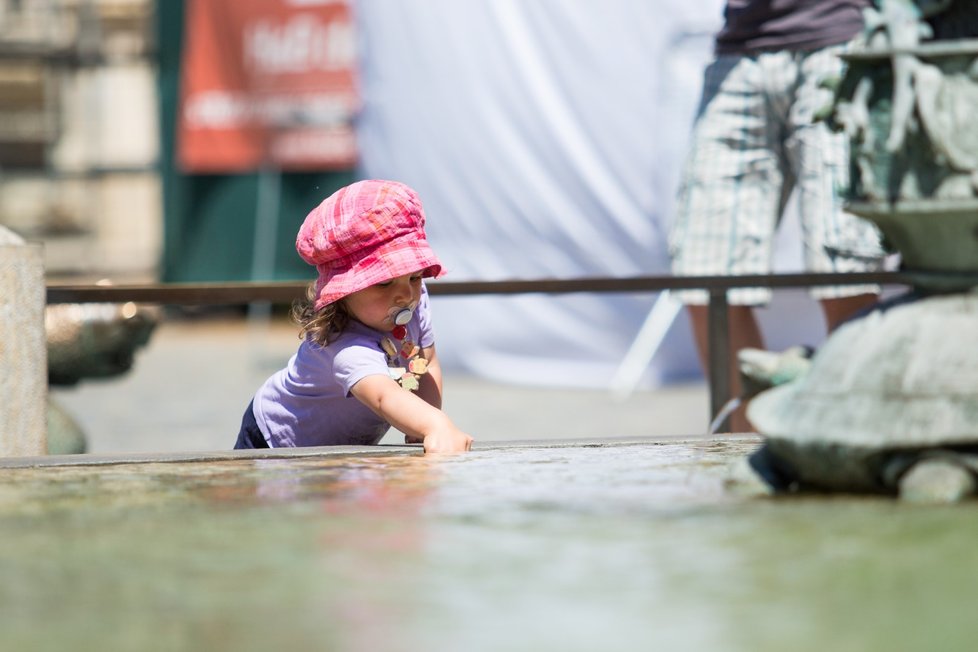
754	143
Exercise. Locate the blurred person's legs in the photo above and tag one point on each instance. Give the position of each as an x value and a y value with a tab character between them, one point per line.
729	204
744	333
837	311
754	142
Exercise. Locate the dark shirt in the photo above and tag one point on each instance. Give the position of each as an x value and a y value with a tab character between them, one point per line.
752	26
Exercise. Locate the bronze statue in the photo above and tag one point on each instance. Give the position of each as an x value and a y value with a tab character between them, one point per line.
890	403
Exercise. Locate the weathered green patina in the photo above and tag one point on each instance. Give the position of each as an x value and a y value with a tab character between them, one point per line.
885	392
96	340
890	403
909	107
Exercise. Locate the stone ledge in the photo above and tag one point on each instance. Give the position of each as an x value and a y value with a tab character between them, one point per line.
343	451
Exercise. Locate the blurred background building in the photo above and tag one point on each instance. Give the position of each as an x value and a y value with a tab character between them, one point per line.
79	146
544	136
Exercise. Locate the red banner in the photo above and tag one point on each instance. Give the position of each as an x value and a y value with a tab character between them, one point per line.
267	83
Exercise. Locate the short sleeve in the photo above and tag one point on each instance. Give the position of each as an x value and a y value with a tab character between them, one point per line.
357	360
426	334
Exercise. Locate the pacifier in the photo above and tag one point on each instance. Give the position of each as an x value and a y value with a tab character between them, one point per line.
400	317
403	316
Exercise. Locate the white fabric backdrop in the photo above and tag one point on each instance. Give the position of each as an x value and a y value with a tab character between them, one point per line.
545	138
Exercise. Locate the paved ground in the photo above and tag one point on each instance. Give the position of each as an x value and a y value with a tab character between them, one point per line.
188	388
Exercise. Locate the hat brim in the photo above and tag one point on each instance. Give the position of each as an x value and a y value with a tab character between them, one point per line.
396	258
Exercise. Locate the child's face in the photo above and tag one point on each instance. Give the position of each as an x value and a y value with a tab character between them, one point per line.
376	305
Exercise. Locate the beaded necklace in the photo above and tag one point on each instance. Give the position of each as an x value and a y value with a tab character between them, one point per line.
403	357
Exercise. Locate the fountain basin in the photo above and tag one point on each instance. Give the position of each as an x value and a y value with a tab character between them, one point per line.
604	544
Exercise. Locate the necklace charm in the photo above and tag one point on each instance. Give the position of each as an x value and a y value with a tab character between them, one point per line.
409	382
408	352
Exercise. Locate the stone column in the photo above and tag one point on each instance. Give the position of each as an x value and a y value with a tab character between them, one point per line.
23	348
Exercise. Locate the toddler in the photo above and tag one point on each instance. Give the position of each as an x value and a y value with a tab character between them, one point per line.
367	359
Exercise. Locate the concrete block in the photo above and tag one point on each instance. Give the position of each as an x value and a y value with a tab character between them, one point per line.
23	352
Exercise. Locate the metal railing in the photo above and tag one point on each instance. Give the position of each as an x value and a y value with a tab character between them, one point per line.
213	294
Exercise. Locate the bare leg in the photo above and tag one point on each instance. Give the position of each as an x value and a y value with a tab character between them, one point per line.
744	333
837	311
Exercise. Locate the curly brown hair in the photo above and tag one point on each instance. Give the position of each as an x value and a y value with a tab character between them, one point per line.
321	326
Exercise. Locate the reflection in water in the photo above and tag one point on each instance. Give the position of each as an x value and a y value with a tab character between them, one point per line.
621	547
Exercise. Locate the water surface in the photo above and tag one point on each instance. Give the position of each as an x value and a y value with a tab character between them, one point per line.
611	547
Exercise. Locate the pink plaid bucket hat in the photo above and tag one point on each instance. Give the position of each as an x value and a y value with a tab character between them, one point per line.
366	233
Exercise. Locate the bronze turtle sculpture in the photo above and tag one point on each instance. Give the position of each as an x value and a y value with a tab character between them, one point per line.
95	340
89	340
888	405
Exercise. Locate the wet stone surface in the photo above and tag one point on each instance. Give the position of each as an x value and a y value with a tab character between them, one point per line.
604	547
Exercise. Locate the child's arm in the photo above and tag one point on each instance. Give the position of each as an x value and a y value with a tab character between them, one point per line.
429	386
430	383
411	414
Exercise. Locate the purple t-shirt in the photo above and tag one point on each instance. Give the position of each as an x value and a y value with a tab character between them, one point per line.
309	402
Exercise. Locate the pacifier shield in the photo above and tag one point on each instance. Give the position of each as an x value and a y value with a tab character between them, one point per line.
403	316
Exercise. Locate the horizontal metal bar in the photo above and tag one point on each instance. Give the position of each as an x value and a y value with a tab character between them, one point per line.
184	294
211	294
286	292
658	283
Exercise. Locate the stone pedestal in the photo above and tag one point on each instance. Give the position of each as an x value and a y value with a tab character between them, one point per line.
23	353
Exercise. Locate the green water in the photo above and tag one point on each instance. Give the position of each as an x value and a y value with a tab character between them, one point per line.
623	547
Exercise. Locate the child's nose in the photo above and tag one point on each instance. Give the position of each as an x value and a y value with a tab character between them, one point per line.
404	294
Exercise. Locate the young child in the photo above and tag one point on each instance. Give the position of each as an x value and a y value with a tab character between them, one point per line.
367	360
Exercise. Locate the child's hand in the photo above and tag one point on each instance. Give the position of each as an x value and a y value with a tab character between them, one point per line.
447	441
415	417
